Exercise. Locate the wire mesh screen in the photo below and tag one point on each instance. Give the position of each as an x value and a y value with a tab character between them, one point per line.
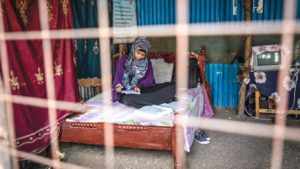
38	84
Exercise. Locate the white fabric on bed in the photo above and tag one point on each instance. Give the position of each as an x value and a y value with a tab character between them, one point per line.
121	114
155	115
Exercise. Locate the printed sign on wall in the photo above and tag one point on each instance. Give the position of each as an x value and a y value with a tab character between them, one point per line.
124	19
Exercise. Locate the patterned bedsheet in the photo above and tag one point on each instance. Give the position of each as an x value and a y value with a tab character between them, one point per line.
155	115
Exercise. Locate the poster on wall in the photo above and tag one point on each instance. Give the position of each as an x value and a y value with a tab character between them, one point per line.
124	19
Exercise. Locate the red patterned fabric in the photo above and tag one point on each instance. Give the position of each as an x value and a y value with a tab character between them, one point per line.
26	69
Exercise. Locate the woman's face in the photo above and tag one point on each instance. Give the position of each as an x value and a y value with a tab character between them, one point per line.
139	55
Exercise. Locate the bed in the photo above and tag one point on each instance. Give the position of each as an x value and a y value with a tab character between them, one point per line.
150	127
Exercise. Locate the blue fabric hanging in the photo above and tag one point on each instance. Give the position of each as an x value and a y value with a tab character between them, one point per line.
87	50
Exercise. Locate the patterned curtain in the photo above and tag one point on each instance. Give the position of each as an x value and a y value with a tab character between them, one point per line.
87	50
88	69
27	73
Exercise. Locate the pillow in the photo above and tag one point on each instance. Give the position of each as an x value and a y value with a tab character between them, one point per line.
162	70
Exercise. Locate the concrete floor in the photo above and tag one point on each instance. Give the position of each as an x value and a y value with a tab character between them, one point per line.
226	151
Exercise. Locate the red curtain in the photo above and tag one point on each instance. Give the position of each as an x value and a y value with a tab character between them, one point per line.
27	73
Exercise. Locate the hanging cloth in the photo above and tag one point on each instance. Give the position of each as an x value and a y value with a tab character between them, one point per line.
27	69
87	50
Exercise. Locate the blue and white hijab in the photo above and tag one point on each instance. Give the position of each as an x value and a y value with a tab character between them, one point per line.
135	69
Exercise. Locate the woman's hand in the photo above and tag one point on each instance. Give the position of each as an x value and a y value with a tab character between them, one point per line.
119	87
137	89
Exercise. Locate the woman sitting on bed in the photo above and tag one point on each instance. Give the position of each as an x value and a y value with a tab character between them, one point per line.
135	72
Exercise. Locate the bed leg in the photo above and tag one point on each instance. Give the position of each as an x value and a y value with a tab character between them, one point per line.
177	146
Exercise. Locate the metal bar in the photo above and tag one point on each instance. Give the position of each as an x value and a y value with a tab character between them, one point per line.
182	31
181	70
103	17
50	87
5	161
7	88
206	29
280	120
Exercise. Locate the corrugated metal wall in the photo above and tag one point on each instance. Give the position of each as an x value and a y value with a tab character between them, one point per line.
267	9
155	12
224	84
216	10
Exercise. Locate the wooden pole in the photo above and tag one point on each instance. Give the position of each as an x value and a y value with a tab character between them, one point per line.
247	57
257	95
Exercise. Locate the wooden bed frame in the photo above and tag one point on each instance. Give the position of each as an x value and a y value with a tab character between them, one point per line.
131	136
